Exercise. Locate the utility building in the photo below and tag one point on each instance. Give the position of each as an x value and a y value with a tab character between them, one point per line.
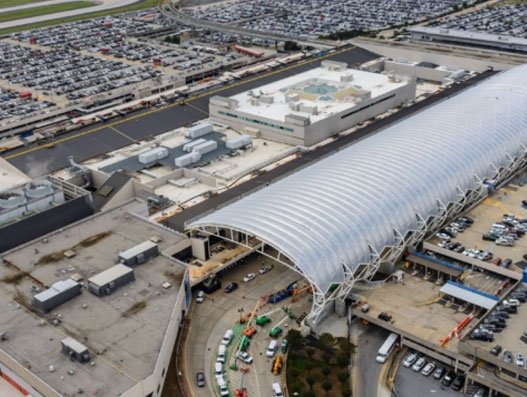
309	107
338	220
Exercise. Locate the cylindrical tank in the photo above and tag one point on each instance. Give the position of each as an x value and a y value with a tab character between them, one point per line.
12	199
39	189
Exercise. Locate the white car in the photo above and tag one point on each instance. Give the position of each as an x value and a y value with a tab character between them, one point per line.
245	357
418	366
410	360
428	369
266	268
249	277
201	297
443	236
520	360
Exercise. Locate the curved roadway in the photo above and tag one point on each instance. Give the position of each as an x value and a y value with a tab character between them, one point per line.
106	5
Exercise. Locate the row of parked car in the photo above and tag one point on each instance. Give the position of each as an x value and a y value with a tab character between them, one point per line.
496	321
452	230
447	377
311	18
507	231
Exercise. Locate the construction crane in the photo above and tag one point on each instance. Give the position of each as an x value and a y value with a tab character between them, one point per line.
242	391
297	292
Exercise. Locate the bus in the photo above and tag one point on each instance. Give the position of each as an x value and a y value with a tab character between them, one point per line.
386	348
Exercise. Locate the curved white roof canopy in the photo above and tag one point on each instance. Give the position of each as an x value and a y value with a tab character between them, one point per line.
332	211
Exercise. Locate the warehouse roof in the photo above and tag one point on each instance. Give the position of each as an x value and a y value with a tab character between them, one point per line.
351	207
125	341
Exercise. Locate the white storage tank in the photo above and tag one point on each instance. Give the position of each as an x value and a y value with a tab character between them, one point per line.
238	142
199	130
187	159
205	147
187	147
152	155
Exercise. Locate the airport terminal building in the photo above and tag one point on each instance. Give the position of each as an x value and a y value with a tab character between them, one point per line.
338	220
309	107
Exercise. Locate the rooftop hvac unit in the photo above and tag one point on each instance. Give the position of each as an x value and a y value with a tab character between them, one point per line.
187	147
152	155
12	199
346	78
75	350
38	189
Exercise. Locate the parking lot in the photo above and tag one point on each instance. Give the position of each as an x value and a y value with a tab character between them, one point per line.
507	19
16	105
409	383
313	18
221	311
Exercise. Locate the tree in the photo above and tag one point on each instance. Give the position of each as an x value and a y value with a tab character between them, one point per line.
326	370
310	394
346	393
291	46
343	360
310	352
311	380
295	339
294	372
327	386
310	365
343	376
327	340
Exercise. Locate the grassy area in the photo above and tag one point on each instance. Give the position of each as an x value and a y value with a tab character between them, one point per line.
318	367
133	7
13	3
43	10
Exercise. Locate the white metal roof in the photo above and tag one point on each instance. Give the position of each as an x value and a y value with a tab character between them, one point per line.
337	210
110	275
467	295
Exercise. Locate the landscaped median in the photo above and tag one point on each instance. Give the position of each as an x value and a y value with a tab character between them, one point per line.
318	366
43	10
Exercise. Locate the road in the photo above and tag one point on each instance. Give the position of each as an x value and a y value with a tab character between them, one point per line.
106	5
93	141
367	370
219	312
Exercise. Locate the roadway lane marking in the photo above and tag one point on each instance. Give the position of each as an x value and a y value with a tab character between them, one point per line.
197	108
149	112
123	134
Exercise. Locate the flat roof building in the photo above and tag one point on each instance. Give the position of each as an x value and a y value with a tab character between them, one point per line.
128	335
311	106
477	39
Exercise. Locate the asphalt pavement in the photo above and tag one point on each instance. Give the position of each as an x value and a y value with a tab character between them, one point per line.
412	384
368	370
85	143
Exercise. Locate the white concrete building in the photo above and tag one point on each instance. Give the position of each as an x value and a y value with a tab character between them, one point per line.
309	107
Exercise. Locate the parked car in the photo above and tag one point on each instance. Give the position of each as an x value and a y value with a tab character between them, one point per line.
520	360
409	360
249	277
419	364
439	372
481	392
428	369
458	382
245	357
200	297
448	379
496	350
507	357
266	268
231	287
384	316
200	379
